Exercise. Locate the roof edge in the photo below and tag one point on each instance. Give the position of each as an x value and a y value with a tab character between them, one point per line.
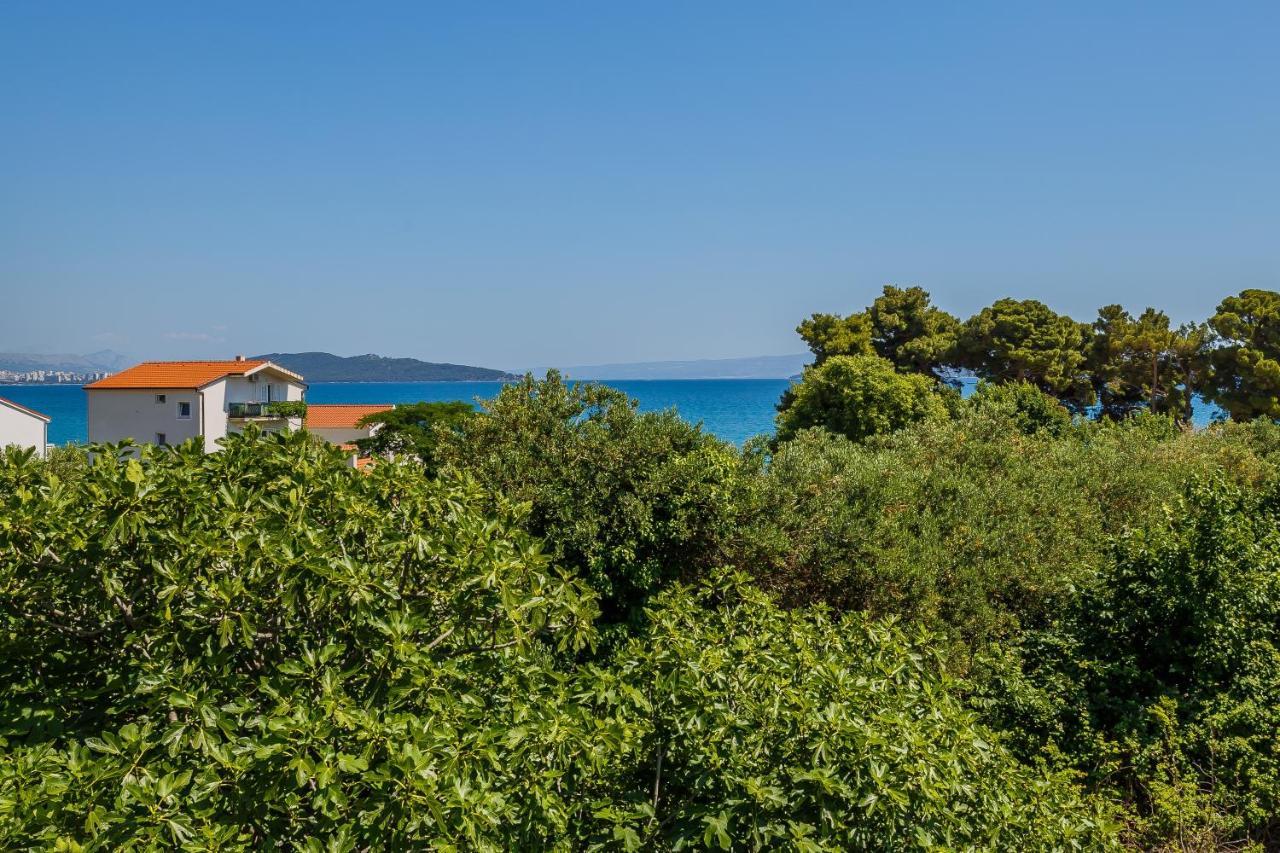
11	404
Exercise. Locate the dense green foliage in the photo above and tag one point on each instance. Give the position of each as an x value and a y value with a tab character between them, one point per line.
1028	408
263	646
970	525
1163	679
859	396
628	500
1025	341
1144	363
413	430
1246	367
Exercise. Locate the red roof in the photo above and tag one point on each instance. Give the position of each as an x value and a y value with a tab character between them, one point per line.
181	374
23	408
341	415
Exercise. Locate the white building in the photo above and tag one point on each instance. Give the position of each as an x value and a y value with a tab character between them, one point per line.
338	423
168	402
23	427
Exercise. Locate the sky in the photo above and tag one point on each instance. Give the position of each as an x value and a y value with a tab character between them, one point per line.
523	184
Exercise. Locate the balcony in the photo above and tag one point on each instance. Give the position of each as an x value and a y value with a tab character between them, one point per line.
266	411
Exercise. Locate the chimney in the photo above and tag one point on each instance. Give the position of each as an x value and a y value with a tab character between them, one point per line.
239	358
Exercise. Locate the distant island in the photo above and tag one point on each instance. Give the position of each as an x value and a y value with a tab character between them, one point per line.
327	367
753	367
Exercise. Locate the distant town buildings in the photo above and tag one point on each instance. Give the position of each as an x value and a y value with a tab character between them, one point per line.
49	377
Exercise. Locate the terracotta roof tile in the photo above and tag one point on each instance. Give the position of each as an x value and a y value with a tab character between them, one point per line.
175	374
340	415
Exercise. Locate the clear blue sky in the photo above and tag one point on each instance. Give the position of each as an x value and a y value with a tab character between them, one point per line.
535	183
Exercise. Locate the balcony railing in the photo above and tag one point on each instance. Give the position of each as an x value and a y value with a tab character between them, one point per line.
279	409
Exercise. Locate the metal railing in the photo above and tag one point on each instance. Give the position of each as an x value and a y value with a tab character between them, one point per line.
279	409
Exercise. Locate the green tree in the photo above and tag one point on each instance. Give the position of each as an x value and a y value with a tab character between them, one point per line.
1113	364
912	333
413	430
858	397
1145	363
1026	341
1162	680
629	500
1246	359
1191	361
829	335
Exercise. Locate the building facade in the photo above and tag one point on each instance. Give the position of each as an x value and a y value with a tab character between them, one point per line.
23	427
168	402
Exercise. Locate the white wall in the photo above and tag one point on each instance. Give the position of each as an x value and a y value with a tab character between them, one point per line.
20	428
115	415
341	435
241	390
214	415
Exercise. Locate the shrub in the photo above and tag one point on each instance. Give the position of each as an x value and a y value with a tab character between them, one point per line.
1163	679
1024	405
858	397
263	645
263	648
969	526
628	500
770	728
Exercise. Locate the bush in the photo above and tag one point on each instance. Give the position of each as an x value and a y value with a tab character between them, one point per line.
628	500
1163	679
858	397
264	648
1023	405
969	526
264	645
769	728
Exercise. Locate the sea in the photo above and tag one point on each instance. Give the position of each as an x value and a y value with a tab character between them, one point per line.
733	409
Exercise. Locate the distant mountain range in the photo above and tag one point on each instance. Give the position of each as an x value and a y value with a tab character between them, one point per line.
756	367
327	367
94	362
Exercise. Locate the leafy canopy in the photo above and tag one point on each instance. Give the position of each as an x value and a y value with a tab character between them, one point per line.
1026	341
858	397
1246	362
262	647
628	500
413	430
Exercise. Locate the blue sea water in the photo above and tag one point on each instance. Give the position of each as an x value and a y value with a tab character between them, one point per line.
733	409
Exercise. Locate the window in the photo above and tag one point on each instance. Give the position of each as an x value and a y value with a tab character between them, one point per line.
162	439
184	411
160	398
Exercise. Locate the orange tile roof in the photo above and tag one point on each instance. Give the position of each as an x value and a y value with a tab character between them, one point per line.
340	415
175	374
41	415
